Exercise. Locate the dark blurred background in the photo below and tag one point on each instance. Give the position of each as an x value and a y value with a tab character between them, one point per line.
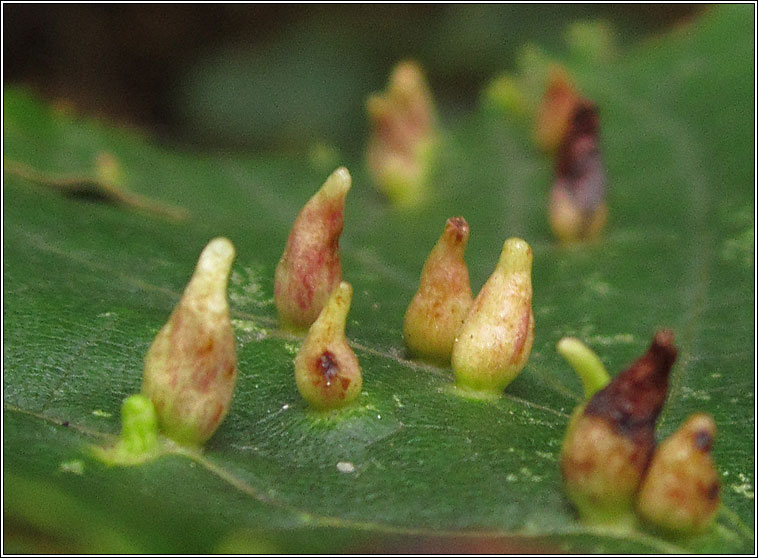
266	76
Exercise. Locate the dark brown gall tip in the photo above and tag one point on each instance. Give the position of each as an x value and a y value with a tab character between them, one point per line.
577	201
579	155
457	229
585	120
634	399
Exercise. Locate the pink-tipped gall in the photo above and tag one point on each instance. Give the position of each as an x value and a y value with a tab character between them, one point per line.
309	269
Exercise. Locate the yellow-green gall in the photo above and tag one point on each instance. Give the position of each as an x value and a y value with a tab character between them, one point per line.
404	136
138	441
309	269
585	363
191	367
680	492
139	425
609	440
495	341
327	372
439	307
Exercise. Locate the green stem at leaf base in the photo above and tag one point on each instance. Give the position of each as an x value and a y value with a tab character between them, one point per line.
585	363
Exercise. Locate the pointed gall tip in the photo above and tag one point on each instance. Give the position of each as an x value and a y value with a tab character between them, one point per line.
702	429
662	351
516	255
218	253
407	75
654	366
664	339
561	96
635	397
327	371
456	230
338	183
207	287
407	67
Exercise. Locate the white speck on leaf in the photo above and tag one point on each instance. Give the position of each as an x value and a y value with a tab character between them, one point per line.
75	466
253	330
697	394
745	489
345	467
617	339
245	288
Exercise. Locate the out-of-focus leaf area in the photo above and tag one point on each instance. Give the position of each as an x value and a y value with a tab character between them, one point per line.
91	275
281	77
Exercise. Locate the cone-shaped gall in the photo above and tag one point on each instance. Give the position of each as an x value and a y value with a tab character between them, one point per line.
404	136
495	341
577	208
610	439
439	307
680	491
555	112
326	369
309	269
191	367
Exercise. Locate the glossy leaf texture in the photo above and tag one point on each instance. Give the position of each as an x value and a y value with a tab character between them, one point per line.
412	465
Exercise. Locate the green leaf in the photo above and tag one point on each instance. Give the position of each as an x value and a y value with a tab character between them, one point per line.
87	285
